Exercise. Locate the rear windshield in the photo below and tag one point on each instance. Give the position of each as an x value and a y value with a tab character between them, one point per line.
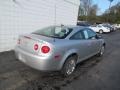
55	32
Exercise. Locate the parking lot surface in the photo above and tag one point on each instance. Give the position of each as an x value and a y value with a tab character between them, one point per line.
96	73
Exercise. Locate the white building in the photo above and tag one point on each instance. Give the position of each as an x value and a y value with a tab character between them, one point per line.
24	16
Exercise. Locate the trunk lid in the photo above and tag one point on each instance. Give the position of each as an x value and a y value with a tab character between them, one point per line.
28	42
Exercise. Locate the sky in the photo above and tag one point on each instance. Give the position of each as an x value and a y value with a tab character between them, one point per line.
104	4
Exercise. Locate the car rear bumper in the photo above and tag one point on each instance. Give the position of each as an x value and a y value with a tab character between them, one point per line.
36	61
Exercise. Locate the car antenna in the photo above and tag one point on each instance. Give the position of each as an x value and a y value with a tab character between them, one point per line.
54	34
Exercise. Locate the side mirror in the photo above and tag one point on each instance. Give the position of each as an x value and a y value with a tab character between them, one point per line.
98	36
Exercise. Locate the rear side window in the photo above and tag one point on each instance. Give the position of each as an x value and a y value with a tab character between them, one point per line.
86	34
89	34
78	36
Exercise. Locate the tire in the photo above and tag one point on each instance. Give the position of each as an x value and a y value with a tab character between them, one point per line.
69	66
102	50
100	31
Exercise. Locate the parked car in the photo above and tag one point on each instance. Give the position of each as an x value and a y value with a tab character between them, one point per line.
111	26
83	23
100	29
59	48
108	26
117	26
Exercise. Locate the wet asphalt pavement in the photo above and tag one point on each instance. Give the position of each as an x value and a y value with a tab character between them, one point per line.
96	73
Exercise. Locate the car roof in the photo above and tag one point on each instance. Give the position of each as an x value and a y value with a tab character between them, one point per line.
71	26
74	27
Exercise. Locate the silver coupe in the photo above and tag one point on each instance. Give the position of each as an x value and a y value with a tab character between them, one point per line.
59	48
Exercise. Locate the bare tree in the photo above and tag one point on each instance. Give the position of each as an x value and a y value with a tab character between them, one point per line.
93	10
86	4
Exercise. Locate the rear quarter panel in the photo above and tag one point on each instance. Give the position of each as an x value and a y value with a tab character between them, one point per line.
64	48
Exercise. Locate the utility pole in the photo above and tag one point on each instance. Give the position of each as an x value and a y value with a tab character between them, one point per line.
109	9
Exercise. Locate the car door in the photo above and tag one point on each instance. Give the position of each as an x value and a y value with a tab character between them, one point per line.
93	42
81	44
95	28
99	27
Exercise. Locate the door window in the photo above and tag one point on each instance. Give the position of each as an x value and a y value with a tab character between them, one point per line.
89	34
99	26
78	36
86	34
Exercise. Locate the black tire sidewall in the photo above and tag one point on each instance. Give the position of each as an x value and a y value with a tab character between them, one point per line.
64	71
99	54
100	31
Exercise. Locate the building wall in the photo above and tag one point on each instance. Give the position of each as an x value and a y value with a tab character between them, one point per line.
25	16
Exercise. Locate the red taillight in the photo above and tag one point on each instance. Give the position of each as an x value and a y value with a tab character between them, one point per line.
36	46
45	49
